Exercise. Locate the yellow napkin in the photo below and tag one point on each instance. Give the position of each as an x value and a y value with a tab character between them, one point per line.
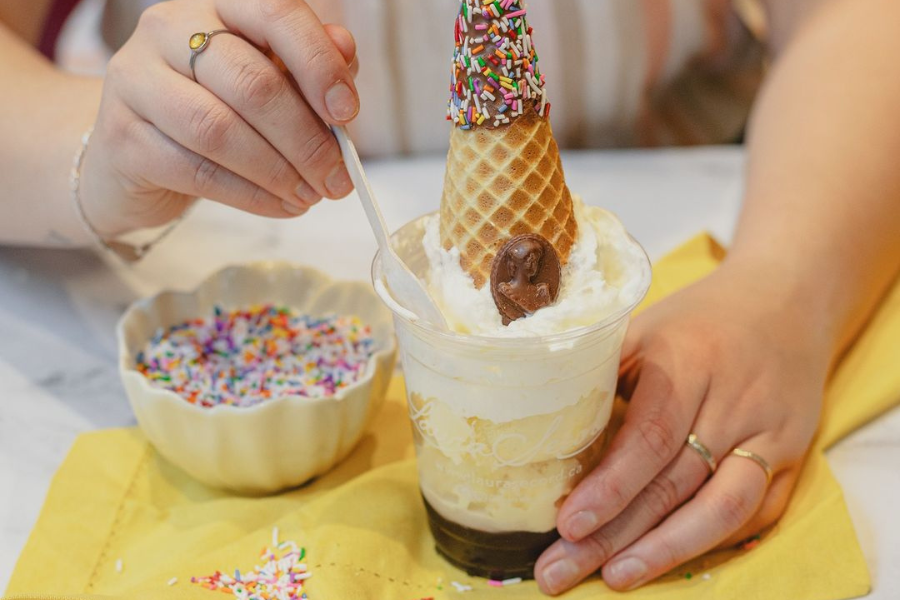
115	501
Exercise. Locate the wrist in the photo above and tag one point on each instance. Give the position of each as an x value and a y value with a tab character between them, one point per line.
104	232
792	302
47	165
87	191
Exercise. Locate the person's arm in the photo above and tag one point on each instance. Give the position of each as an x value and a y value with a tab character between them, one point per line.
250	132
741	358
44	113
823	180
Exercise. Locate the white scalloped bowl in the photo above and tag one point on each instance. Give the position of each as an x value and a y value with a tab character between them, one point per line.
277	444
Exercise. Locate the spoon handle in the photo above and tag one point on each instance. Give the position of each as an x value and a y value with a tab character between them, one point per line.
363	189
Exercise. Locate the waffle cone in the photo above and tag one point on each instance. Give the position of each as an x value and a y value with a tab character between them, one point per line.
502	183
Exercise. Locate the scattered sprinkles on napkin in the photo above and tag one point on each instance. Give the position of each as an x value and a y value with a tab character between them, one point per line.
280	578
505	582
750	543
245	357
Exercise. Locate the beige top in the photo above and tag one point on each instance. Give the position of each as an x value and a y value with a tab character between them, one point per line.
620	73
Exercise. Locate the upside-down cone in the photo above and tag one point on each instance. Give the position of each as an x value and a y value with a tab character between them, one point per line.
504	173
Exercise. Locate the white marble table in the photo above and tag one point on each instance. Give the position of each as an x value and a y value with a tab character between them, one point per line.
58	311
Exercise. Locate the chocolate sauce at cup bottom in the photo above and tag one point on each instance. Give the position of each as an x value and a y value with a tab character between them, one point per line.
496	556
507	554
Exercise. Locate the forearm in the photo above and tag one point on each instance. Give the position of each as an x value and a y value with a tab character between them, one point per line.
822	211
45	112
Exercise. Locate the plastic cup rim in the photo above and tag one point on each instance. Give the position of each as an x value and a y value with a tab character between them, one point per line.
474	339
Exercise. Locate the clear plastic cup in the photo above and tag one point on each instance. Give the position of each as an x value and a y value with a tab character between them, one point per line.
504	428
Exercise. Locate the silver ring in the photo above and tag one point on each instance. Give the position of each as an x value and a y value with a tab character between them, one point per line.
198	43
694	442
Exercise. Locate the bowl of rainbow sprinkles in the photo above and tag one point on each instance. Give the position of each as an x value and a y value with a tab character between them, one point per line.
262	378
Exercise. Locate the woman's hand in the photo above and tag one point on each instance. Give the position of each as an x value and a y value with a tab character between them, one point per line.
252	132
733	360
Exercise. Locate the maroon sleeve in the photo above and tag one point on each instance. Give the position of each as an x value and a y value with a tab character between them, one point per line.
56	18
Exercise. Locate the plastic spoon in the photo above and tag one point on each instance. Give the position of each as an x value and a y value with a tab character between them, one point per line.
404	286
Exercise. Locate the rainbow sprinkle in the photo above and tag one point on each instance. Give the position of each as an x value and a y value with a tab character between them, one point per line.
245	357
505	582
495	74
751	543
279	578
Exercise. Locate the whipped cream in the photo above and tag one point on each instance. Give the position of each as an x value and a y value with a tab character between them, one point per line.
607	272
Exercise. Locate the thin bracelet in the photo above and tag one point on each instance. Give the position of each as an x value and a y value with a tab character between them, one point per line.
128	253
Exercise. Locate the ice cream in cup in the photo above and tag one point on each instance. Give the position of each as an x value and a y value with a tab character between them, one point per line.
510	406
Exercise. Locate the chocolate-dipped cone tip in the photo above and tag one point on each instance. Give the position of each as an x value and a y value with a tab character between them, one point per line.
495	76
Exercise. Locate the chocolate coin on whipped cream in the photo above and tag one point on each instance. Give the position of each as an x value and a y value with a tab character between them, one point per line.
525	276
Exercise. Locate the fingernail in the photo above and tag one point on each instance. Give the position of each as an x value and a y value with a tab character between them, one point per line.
581	524
625	573
560	576
293	208
338	181
307	194
341	102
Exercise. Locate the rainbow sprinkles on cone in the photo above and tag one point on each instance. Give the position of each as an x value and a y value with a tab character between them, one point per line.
504	173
